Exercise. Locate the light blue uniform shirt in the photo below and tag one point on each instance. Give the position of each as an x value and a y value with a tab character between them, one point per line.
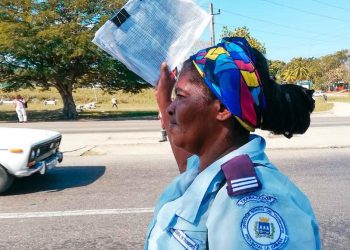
196	212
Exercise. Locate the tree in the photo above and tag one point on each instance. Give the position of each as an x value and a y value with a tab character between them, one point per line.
47	43
296	70
288	75
243	32
333	67
340	74
321	71
333	61
300	69
315	71
276	67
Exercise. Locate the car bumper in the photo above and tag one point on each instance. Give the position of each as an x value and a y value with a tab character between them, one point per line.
41	166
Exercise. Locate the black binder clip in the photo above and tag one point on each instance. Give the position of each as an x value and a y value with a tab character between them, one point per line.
119	18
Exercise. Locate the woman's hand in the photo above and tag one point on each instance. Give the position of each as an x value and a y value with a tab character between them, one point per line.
164	88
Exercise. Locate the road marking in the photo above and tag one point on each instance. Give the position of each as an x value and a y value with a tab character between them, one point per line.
75	213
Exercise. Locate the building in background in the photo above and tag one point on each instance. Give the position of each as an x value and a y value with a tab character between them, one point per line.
306	84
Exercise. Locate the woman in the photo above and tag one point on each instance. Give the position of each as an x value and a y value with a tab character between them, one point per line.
229	196
20	108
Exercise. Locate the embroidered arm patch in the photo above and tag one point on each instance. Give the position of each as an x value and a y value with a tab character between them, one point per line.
264	228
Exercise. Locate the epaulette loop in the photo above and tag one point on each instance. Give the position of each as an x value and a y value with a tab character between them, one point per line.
240	176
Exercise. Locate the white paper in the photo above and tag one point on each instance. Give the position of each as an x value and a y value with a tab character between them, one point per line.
156	31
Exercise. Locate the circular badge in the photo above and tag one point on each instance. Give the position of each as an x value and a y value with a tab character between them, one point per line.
263	228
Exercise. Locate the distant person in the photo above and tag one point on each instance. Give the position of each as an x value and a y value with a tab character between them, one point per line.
325	97
21	105
114	102
162	130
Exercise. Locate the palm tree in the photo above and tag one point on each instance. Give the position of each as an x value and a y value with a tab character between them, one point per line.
296	70
300	70
288	75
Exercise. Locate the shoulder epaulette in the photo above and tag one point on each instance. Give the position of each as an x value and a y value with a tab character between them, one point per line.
240	176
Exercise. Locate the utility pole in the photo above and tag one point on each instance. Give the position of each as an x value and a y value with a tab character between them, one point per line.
212	24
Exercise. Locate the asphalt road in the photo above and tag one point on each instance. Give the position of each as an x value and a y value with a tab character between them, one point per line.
102	197
104	202
140	125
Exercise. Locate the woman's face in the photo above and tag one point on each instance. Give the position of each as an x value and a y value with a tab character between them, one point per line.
191	116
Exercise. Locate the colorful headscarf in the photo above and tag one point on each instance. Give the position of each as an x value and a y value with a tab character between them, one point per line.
228	70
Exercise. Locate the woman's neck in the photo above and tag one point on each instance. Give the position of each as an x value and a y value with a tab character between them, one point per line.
218	148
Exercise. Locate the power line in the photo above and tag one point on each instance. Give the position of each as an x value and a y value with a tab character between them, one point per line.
331	5
281	34
303	41
283	26
305	11
267	32
273	23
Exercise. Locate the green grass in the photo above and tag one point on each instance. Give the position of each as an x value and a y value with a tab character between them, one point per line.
33	115
94	114
141	105
321	105
83	95
339	98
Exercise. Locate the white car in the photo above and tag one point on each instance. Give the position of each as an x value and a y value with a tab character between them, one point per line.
24	152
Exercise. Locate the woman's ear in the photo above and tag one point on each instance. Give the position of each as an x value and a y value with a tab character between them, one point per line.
223	113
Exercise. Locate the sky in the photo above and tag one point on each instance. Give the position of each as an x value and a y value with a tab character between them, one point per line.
288	29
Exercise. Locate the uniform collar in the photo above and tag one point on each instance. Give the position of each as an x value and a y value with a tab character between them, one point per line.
210	179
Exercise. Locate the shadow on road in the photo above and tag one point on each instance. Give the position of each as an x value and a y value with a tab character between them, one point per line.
57	180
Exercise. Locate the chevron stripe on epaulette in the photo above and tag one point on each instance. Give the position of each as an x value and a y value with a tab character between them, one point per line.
240	176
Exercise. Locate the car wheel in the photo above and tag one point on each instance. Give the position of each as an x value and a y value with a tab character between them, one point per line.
5	179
